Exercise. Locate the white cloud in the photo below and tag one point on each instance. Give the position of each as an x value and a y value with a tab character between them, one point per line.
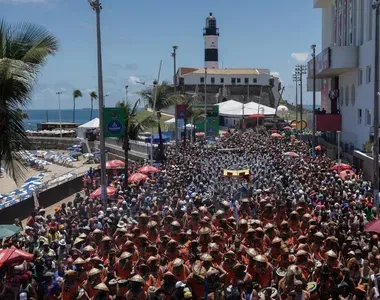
133	80
275	74
300	57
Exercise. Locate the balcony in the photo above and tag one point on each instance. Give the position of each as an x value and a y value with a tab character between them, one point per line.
322	3
334	61
328	122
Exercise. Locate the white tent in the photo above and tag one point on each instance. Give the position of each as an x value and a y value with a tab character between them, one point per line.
170	121
93	124
232	108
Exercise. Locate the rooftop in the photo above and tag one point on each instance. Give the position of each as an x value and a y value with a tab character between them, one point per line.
229	71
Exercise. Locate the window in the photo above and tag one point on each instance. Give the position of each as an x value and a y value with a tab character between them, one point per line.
246	80
212	80
353	95
360	79
368	74
341	96
233	80
359	116
370	19
202	80
368	117
254	80
347	95
238	80
212	23
221	80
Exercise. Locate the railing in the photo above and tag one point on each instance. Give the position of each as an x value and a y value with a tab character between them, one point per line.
136	146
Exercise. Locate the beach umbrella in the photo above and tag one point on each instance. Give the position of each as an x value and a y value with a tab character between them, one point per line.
32	179
70	148
118	162
343	167
8	230
373	226
292	154
137	177
148	169
42	175
10	256
277	135
3	196
75	154
97	193
19	192
88	155
7	199
110	165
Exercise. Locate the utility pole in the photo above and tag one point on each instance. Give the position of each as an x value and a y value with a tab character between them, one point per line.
301	70
205	94
174	55
313	141
60	115
376	7
295	79
97	7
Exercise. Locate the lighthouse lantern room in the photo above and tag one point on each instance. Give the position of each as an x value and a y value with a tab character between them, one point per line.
211	35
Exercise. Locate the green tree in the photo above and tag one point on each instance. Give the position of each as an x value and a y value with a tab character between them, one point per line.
93	96
133	128
159	97
76	94
24	50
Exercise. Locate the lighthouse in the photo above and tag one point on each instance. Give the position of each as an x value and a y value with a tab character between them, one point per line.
211	35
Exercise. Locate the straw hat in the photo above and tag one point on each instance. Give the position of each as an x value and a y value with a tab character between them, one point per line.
177	262
125	255
89	248
97	231
79	261
260	258
301	253
77	241
319	234
199	270
206	257
251	252
137	278
331	253
101	287
82	236
70	273
106	238
93	272
152	224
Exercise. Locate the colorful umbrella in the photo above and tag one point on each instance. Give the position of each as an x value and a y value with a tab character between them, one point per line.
277	135
148	169
12	256
32	179
118	162
343	167
97	193
200	134
137	177
8	230
110	165
373	226
293	154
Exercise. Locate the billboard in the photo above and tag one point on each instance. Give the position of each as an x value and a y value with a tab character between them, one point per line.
114	120
212	116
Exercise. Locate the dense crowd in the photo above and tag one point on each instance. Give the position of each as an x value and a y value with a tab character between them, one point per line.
292	229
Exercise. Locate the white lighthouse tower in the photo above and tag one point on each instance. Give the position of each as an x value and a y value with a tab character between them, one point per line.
211	35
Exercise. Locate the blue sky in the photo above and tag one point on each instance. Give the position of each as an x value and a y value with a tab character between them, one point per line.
136	35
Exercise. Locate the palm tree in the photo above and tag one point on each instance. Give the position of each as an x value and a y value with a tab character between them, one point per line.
94	96
164	99
133	127
76	94
24	50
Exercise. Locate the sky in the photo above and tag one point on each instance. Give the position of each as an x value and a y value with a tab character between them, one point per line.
136	35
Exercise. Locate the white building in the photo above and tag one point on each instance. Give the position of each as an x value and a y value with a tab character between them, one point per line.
346	65
243	84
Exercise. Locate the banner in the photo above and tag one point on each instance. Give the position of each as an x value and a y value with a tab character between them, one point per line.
181	111
114	120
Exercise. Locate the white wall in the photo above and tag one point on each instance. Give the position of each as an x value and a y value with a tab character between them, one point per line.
262	79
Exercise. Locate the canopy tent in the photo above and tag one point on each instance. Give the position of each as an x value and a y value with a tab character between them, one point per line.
170	121
93	124
233	108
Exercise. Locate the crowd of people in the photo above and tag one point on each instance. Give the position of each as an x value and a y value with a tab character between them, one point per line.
292	229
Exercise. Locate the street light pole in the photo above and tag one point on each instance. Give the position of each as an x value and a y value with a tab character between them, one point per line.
295	79
60	115
97	7
174	55
205	103
313	141
301	70
376	7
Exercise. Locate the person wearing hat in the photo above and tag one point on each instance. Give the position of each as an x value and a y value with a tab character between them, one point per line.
93	279
152	233
103	292
144	271
179	269
229	261
304	262
124	266
167	284
70	286
317	246
196	281
136	289
263	271
79	264
172	251
275	251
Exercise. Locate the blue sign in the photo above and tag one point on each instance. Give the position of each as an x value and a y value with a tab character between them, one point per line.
114	127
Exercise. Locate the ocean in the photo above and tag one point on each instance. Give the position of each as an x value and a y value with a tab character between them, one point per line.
39	116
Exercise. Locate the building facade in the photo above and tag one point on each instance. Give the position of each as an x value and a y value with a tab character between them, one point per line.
345	66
